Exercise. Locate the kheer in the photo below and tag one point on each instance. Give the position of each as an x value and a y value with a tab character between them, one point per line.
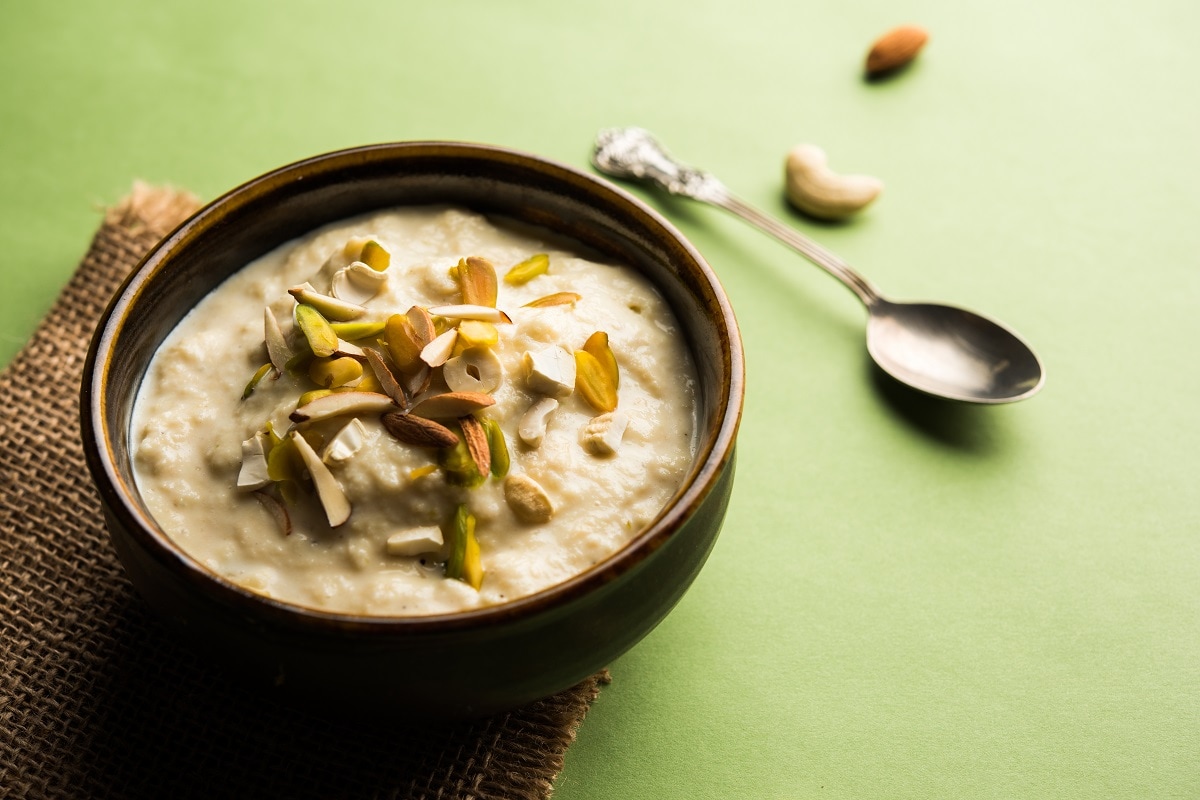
415	412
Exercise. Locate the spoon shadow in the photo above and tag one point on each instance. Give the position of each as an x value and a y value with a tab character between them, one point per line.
966	427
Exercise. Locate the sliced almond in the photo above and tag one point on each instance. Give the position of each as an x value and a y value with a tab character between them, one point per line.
387	380
452	405
439	350
330	307
357	283
422	324
418	431
277	349
278	512
477	443
348	350
477	278
419	381
342	403
329	492
471	311
556	299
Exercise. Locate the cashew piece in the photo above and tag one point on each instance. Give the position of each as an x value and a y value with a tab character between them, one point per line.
818	191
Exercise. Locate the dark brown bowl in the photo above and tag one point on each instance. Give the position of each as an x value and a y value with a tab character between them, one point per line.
467	663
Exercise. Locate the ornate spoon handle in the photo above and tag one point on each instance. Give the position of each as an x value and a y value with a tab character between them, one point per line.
633	154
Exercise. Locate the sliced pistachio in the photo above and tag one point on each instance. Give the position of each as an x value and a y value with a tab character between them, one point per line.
436	352
254	473
476	439
357	283
476	370
421	472
476	333
333	372
477	279
602	435
317	332
415	541
273	438
330	307
341	403
527	499
311	395
594	382
259	374
345	443
418	431
550	371
497	447
329	492
459	467
369	383
383	373
532	427
353	331
452	405
597	344
283	462
556	299
277	511
277	348
527	270
464	563
471	311
375	255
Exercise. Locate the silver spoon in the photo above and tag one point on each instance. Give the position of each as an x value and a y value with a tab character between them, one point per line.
940	350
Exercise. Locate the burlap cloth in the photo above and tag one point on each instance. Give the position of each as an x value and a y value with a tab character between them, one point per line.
96	700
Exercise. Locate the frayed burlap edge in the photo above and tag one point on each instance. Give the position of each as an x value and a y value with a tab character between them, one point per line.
97	701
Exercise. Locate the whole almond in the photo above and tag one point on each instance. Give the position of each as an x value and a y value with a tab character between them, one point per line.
418	431
895	48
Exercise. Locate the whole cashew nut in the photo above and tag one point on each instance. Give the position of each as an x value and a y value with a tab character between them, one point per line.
818	191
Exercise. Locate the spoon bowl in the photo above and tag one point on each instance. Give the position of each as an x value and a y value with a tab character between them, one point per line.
951	352
939	350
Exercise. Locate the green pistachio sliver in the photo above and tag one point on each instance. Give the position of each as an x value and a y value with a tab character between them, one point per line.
458	465
258	376
375	255
353	331
330	307
317	331
330	373
528	269
464	563
497	446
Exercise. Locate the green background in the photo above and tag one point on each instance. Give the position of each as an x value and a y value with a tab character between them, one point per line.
910	599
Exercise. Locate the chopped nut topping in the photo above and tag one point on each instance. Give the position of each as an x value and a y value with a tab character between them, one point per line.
602	435
527	499
528	269
556	299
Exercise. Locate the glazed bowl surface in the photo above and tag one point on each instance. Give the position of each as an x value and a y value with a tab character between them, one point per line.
462	664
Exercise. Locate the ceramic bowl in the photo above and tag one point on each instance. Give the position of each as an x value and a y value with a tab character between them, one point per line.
469	663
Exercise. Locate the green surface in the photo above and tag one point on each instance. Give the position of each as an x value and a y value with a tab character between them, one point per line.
909	599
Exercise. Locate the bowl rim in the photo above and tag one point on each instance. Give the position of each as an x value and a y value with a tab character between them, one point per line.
710	463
